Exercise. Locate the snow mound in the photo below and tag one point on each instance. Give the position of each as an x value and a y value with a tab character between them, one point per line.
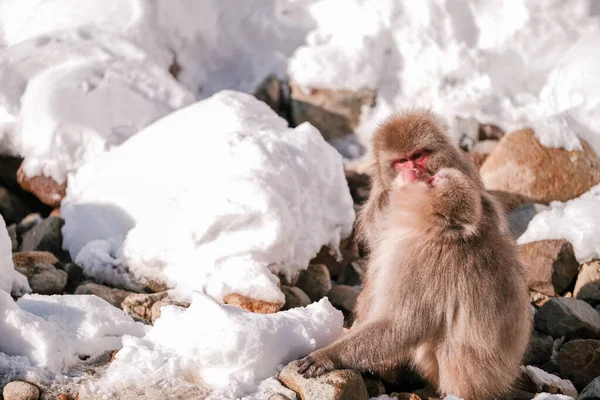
216	347
54	331
577	221
221	196
69	96
11	281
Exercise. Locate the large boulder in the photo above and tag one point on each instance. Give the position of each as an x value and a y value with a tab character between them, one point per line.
562	316
579	361
587	287
521	165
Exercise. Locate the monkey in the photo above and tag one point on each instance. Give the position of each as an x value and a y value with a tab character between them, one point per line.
445	291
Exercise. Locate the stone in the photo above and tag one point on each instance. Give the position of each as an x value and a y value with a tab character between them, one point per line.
29	222
334	113
63	396
550	265
545	382
315	281
579	361
139	305
14	237
521	165
538	299
112	295
540	349
573	318
19	390
270	91
156	307
341	384
12	207
250	304
490	132
374	387
43	187
591	391
353	274
348	254
343	298
359	185
74	276
46	236
44	278
587	287
405	396
24	259
294	297
519	218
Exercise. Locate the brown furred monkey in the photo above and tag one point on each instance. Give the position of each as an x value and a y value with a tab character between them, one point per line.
445	291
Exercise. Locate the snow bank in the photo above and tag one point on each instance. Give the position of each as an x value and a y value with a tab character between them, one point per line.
69	96
11	281
577	221
222	195
54	331
213	347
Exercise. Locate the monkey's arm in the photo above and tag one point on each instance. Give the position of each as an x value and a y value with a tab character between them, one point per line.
368	347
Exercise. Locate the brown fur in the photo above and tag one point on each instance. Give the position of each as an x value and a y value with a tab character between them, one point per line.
445	291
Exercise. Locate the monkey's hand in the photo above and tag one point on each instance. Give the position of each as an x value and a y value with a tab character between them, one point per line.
315	364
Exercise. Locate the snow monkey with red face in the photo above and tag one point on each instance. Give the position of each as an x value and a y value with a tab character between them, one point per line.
445	291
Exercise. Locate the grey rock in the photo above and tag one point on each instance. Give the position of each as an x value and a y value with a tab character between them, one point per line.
271	91
12	207
341	384
579	361
19	390
375	387
519	218
46	236
315	281
544	382
587	287
343	298
569	317
333	112
591	391
550	265
294	297
29	222
112	295
139	305
43	278
352	275
75	276
540	349
14	238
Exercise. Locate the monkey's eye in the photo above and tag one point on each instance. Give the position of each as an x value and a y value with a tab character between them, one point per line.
416	156
402	161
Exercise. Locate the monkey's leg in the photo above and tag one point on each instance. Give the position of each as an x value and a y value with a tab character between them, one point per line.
368	347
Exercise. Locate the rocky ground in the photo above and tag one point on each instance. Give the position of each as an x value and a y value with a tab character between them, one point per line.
564	353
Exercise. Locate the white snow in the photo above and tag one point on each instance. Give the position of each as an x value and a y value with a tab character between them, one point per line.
216	347
222	195
11	281
548	396
577	221
69	96
53	331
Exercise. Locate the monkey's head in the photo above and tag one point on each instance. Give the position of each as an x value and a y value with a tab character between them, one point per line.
417	141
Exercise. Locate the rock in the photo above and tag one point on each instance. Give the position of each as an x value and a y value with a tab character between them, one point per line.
359	185
341	384
550	265
544	382
46	236
348	253
165	302
43	277
538	299
466	130
75	276
250	304
540	349
139	305
294	297
315	281
519	218
29	222
112	295
14	238
405	396
520	164
490	132
271	92
24	259
343	298
333	112
591	391
44	188
573	318
587	287
12	207
374	387
353	274
579	361
63	396
19	390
